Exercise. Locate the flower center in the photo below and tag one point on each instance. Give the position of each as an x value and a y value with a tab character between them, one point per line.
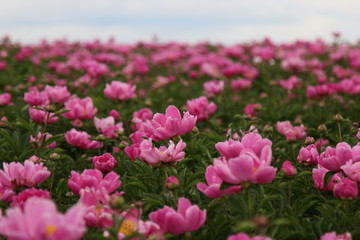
127	227
50	230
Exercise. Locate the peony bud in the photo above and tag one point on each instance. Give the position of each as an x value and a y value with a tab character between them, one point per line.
172	183
288	169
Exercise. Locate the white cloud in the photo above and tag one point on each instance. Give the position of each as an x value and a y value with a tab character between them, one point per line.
184	20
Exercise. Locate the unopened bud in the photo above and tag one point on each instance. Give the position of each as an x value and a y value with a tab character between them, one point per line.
50	108
309	140
172	183
322	128
338	118
117	202
268	128
55	156
261	221
77	123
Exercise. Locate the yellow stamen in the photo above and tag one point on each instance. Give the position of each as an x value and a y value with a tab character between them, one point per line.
98	210
127	227
50	229
255	169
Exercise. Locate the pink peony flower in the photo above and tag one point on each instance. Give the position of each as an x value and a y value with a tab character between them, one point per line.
201	108
333	236
40	139
251	165
318	175
250	109
98	213
21	199
93	178
154	155
105	163
36	98
107	126
187	218
15	174
214	183
140	117
288	169
80	108
80	139
290	132
346	189
41	220
119	91
41	116
170	124
230	148
115	114
243	236
213	87
5	99
57	94
334	158
308	155
240	84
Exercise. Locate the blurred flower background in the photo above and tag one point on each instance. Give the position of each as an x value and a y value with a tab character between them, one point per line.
226	21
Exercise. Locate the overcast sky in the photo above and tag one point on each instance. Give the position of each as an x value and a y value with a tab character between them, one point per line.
226	21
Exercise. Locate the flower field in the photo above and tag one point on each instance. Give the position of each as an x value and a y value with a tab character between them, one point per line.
103	140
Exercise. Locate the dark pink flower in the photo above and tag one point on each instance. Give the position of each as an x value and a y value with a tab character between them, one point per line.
105	163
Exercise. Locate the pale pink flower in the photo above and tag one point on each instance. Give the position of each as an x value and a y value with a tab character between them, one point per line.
57	94
358	134
154	155
5	99
187	218
240	84
201	108
29	174
107	126
105	163
41	116
352	170
80	108
93	178
80	139
41	220
212	190
213	87
170	124
141	116
290	132
119	91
